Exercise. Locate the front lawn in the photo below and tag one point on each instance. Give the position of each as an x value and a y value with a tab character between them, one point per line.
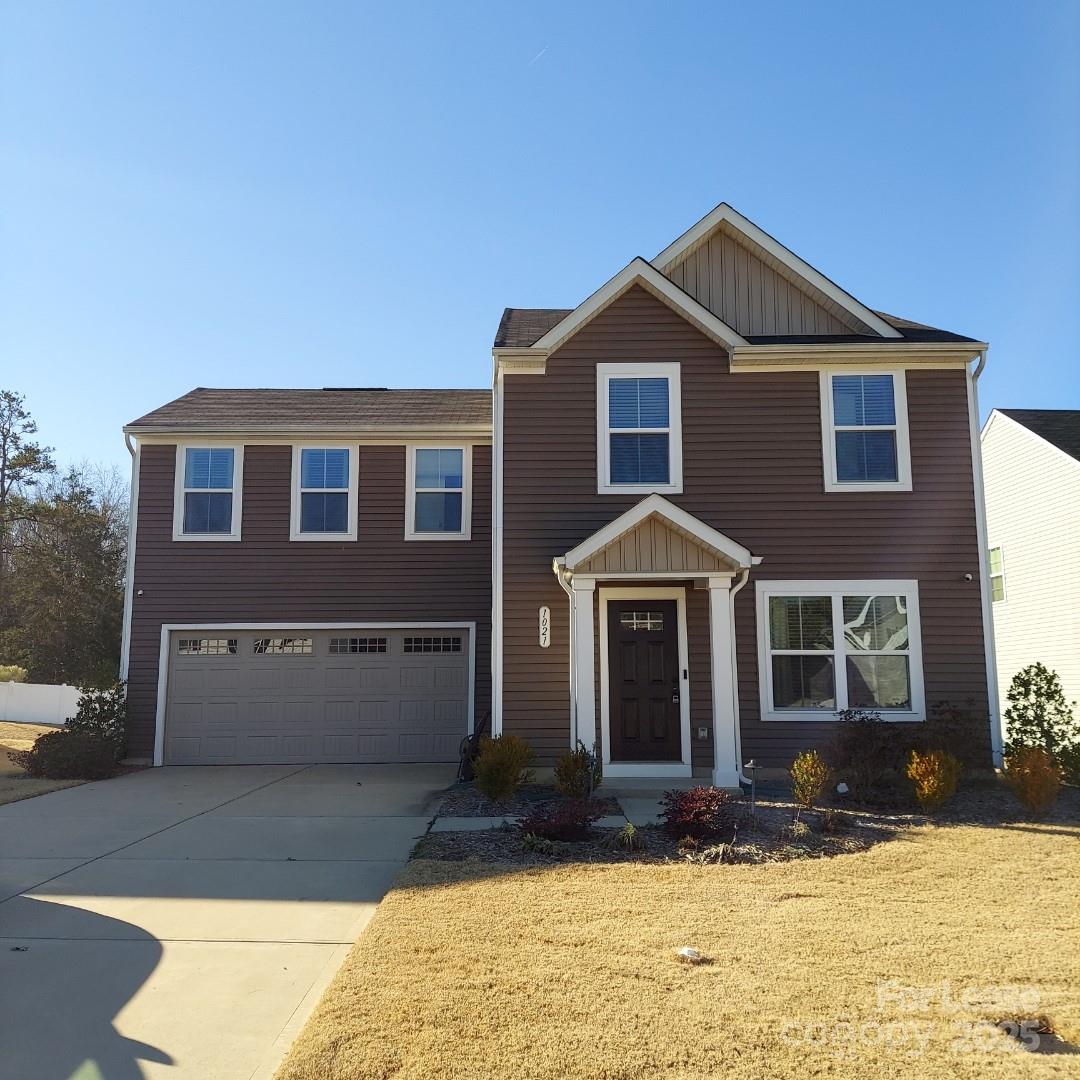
14	783
476	970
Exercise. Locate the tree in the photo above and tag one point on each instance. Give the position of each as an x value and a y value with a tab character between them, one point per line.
1038	714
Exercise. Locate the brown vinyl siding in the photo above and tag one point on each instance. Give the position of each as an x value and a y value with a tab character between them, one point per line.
752	468
266	578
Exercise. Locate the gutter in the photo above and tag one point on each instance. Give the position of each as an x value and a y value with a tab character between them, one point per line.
129	581
562	575
732	592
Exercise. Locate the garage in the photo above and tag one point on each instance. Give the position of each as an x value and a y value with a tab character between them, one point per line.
306	696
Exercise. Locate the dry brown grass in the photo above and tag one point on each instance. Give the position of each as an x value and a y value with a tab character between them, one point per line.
472	970
14	783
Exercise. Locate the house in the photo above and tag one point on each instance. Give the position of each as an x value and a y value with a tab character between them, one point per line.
1031	460
699	514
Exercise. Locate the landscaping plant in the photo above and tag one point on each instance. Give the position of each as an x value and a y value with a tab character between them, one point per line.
702	813
578	772
502	766
1034	776
564	819
628	838
1068	758
68	755
935	775
865	748
1038	714
102	713
809	778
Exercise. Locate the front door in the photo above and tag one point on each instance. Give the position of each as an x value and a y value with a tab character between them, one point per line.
643	666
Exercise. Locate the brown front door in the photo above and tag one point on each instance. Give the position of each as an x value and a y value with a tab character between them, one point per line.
643	670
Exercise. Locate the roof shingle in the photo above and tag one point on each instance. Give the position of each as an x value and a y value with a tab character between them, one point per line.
1061	427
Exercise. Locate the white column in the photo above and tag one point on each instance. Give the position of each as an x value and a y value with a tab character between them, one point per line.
583	705
725	753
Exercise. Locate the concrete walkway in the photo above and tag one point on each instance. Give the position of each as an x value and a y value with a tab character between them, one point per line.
183	922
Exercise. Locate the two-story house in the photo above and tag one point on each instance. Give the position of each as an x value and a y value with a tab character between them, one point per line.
700	514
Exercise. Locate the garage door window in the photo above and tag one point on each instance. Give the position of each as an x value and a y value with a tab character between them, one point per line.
344	645
206	646
432	645
280	646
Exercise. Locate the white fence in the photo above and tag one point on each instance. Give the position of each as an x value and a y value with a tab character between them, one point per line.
36	703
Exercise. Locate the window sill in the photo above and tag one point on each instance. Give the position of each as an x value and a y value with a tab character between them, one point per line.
321	538
438	536
897	486
203	538
639	489
825	716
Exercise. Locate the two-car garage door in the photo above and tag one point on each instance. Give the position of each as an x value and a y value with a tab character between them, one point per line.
300	696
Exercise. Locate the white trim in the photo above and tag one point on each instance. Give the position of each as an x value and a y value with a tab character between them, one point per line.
835	587
582	664
813	357
129	576
644	768
604	374
179	490
287	436
725	714
665	510
726	213
465	532
170	628
497	391
639	272
294	493
903	439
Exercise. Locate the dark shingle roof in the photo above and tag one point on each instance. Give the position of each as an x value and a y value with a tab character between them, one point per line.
521	327
1058	426
206	409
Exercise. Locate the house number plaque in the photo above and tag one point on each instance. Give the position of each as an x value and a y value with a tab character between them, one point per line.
545	627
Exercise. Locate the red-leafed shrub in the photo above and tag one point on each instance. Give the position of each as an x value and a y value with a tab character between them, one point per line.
568	819
701	812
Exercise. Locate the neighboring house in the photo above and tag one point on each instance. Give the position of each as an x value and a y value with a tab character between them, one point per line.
1031	461
721	500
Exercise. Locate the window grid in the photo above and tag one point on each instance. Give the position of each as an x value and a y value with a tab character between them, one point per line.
997	575
209	478
432	645
324	495
840	383
206	646
442	489
284	645
642	620
340	645
628	407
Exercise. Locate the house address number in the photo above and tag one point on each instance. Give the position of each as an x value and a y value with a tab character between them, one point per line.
545	627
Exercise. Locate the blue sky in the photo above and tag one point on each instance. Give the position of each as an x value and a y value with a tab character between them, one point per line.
295	194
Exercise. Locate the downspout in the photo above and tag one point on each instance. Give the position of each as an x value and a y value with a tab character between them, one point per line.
563	577
743	578
129	581
992	692
497	390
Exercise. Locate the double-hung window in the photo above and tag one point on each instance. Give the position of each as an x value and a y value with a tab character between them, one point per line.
639	428
826	646
997	575
324	493
207	498
439	492
865	431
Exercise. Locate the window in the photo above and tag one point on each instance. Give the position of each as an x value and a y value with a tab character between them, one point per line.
206	646
864	431
642	620
206	504
439	486
828	646
339	645
639	428
280	646
432	644
997	575
324	493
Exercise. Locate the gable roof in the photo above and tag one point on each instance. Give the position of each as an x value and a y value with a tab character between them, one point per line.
1059	427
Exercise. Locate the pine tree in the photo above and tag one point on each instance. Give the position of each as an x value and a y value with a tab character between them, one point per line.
1038	714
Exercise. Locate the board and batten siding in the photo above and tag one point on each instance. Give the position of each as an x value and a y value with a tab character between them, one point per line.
1033	515
379	577
752	469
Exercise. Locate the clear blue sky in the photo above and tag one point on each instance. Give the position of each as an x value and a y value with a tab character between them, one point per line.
309	194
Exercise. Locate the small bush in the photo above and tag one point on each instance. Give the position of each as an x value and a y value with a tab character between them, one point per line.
540	845
809	778
569	819
13	673
1034	777
68	755
578	773
102	713
1038	714
628	838
935	775
833	822
1068	758
865	748
960	730
502	766
701	813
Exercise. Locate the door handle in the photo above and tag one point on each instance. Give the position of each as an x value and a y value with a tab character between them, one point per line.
675	696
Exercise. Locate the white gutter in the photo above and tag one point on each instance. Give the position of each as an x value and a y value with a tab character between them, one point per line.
743	578
129	581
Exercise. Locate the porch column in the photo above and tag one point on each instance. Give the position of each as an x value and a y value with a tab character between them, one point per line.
725	754
582	664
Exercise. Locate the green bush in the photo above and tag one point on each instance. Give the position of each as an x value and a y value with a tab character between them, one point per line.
809	778
628	838
1038	714
935	775
13	673
102	713
1069	759
502	766
68	755
578	773
702	813
865	748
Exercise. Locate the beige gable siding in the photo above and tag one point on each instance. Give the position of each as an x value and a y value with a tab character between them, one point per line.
652	546
740	287
1033	515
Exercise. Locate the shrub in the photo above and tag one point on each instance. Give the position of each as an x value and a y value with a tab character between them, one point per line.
864	748
935	775
578	773
102	713
68	755
809	778
628	838
1034	777
701	813
540	845
1068	757
568	819
1038	714
958	730
13	673
502	766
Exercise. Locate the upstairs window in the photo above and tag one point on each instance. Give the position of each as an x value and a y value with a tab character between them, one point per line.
997	575
639	436
865	436
208	488
438	483
324	493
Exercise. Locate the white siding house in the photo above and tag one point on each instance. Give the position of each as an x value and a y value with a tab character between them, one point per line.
1031	465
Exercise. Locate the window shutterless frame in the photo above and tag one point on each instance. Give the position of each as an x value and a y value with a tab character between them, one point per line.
411	489
829	428
295	532
995	562
605	373
180	490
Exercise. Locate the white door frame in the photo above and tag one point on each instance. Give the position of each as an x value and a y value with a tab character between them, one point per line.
659	769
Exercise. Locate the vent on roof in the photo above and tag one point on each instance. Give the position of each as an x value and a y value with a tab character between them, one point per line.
356	388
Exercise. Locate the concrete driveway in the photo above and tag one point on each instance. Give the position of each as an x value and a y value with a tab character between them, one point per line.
182	922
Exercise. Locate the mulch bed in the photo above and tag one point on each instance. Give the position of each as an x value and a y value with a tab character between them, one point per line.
463	800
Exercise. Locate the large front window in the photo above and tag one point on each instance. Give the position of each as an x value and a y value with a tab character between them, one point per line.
324	497
829	647
207	501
